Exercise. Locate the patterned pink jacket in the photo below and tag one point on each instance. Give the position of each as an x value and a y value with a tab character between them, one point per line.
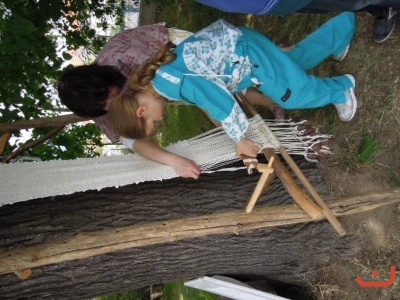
127	50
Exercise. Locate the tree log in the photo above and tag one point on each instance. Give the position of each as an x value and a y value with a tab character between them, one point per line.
89	244
280	253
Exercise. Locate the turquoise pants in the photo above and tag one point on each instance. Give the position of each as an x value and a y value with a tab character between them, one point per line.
281	75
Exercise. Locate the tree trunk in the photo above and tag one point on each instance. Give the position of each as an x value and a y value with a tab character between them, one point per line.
42	122
280	253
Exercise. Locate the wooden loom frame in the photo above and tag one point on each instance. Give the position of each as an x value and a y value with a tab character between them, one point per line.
313	210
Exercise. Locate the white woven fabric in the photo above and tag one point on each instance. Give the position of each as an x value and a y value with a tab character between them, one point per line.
213	149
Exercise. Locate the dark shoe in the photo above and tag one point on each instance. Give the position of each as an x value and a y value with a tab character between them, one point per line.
384	25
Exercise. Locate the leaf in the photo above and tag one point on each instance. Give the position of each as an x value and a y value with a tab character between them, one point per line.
67	56
91	33
368	150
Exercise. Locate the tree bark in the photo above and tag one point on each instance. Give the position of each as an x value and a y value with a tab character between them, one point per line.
42	122
280	253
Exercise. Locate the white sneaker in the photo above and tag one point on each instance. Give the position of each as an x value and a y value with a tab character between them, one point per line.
342	55
347	109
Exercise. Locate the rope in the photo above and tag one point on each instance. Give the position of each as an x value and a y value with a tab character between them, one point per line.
211	150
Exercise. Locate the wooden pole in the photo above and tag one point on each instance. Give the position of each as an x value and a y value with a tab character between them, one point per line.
32	144
42	122
317	198
5	137
89	244
267	176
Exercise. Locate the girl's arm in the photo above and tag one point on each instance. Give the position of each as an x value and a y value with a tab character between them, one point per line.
221	106
183	167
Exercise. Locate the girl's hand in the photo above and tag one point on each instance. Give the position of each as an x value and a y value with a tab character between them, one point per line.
185	167
247	147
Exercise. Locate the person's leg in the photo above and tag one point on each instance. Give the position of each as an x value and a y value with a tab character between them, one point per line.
320	6
383	10
285	7
255	97
332	38
385	20
286	82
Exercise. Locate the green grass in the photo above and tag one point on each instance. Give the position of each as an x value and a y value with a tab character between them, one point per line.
182	122
177	291
187	15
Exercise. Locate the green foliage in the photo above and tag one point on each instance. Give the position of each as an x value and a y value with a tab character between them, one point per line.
176	290
30	58
368	150
77	141
133	295
187	15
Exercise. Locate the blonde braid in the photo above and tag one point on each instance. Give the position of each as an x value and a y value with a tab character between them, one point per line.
142	77
122	111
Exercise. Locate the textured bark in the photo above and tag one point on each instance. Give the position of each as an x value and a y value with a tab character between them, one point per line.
280	253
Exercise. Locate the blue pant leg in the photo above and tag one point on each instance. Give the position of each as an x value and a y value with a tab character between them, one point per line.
286	82
331	38
285	7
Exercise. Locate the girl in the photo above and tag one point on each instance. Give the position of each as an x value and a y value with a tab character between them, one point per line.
87	90
210	66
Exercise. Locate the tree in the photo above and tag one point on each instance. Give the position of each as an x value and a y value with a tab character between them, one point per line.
280	253
31	57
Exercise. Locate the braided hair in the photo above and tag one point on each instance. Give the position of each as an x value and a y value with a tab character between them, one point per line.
122	111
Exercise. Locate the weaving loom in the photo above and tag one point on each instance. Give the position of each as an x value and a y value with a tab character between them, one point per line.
211	150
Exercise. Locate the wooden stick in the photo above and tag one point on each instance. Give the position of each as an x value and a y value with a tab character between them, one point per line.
264	181
3	141
41	122
32	144
309	187
292	188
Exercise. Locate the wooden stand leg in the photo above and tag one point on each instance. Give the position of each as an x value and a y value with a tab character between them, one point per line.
309	207
317	198
264	181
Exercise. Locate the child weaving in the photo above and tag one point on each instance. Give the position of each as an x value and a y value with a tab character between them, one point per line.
210	66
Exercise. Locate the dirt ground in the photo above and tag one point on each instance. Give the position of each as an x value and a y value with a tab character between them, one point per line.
376	69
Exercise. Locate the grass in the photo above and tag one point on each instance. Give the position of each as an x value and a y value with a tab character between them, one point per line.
187	15
177	291
183	122
338	282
